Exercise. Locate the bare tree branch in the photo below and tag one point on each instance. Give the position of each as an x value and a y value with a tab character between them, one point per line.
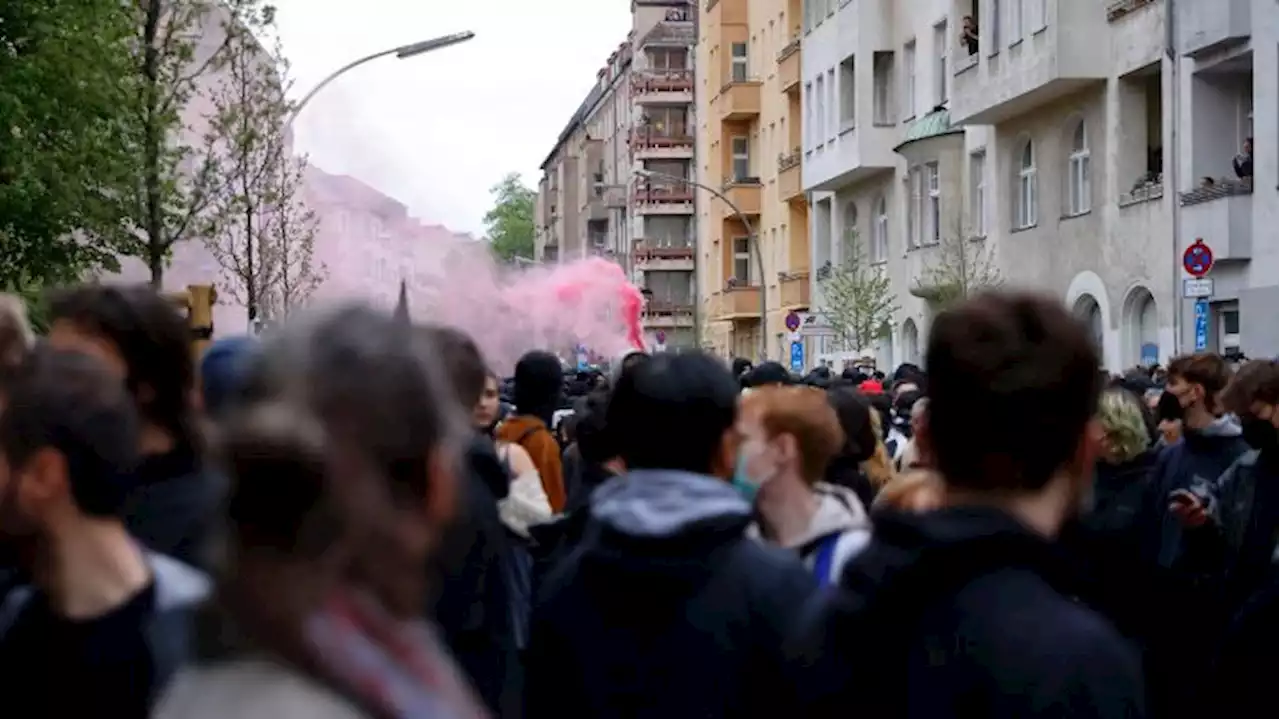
858	303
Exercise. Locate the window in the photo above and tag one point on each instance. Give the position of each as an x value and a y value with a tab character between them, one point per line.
850	228
933	210
880	234
738	66
882	71
742	260
667	58
1078	190
909	78
978	193
848	98
997	18
1040	18
913	207
1016	19
666	122
741	158
820	118
809	130
940	49
1025	202
832	105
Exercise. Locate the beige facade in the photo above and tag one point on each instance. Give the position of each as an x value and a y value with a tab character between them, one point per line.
638	117
749	137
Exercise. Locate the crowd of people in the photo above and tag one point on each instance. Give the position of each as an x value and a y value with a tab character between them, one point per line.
356	516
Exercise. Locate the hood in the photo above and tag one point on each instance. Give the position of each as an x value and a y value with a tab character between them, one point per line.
1225	426
919	558
839	510
663	504
1223	431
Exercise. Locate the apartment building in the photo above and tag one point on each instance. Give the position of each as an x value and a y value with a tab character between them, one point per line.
753	239
953	142
638	119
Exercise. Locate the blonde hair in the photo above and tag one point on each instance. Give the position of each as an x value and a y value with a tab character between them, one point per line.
1122	419
879	467
803	413
16	337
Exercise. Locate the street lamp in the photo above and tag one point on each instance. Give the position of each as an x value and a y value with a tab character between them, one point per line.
752	239
402	52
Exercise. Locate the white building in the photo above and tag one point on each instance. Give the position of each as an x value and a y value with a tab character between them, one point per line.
1041	147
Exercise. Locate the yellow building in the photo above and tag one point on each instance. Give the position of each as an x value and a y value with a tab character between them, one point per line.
749	126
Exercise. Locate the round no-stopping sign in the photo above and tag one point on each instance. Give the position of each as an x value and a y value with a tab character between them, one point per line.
1197	260
793	321
661	337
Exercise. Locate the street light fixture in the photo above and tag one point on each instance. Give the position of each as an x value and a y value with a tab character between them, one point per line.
402	52
752	239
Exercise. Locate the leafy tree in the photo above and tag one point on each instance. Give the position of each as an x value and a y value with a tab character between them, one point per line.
65	83
179	46
255	224
857	301
509	224
960	268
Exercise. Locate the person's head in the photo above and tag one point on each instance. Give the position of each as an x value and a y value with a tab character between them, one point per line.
903	403
1125	435
854	414
596	444
1168	411
676	412
1253	395
489	409
789	436
1197	380
1024	370
1248	145
919	415
968	22
68	447
464	366
539	382
391	429
16	337
740	366
223	370
143	339
768	374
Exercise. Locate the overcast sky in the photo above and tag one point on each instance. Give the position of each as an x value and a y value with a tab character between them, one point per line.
437	131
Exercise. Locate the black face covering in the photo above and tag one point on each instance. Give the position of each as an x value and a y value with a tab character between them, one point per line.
1259	433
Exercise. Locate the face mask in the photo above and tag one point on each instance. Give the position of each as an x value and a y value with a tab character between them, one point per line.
741	482
1258	433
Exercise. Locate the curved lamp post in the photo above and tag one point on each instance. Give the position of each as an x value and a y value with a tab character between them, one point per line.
752	238
403	52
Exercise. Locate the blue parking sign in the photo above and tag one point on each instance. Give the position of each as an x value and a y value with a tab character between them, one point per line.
1202	325
797	356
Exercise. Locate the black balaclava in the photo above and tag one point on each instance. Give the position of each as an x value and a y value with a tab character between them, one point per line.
539	379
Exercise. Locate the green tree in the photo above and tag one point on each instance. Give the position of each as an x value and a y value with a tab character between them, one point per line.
178	47
65	83
959	268
856	298
509	224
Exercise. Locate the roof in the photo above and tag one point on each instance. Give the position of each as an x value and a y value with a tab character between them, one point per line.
588	104
935	124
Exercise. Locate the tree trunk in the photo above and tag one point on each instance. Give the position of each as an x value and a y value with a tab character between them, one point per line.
154	221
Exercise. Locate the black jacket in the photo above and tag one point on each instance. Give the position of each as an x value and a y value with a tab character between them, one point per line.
961	613
665	609
174	504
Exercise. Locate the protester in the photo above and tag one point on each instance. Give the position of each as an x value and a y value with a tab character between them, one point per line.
667	609
538	390
846	468
171	505
789	436
101	625
966	611
912	458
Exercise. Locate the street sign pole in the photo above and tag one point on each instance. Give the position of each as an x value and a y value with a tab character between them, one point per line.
1197	260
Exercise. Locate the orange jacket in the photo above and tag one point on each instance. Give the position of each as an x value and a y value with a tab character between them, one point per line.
532	434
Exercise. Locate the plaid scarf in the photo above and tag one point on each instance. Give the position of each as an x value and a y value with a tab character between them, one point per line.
396	668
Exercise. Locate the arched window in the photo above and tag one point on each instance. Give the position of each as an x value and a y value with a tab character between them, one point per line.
910	342
849	233
1078	188
880	236
1025	202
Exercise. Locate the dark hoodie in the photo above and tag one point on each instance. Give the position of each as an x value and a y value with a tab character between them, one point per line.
666	609
960	613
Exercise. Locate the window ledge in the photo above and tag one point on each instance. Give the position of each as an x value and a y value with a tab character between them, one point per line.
1015	43
978	238
1023	228
909	118
1076	215
846	130
1039	30
884	123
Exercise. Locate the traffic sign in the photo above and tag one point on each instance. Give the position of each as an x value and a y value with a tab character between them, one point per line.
797	356
1197	260
1202	325
1194	288
793	320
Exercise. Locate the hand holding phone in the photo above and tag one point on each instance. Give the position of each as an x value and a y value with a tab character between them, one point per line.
1188	508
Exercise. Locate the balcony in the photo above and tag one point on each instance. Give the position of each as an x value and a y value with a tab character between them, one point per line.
597	210
650	258
660	314
738	101
736	303
1204	26
789	67
662	87
649	144
790	187
744	193
854	155
1222	216
1072	51
794	290
662	199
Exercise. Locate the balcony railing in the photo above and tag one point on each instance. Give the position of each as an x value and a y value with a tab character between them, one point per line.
788	161
1215	191
1119	9
644	137
651	81
663	193
789	49
669	307
1144	192
646	252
